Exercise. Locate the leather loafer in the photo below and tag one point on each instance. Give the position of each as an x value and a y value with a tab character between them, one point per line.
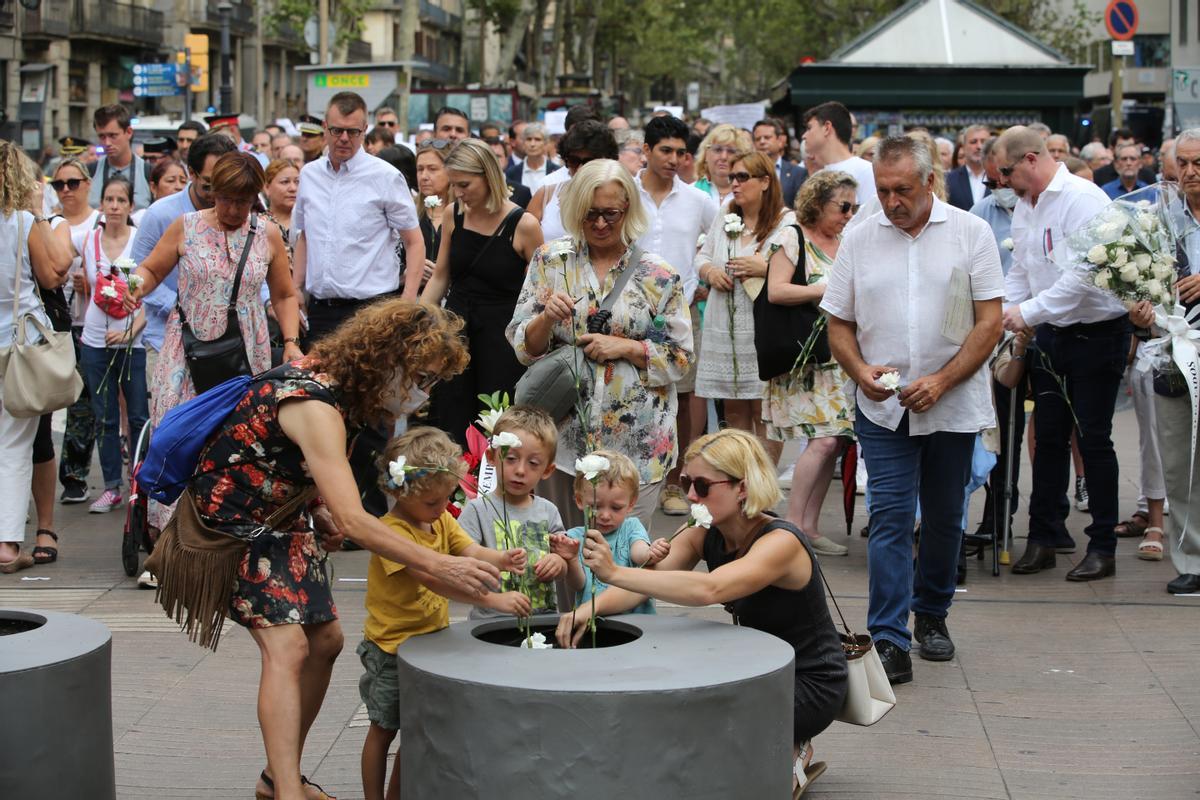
1037	558
897	663
1093	567
1184	584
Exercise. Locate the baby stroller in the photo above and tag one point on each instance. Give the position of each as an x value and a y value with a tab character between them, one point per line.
136	536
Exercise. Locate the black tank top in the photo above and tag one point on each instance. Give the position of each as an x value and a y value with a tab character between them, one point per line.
485	269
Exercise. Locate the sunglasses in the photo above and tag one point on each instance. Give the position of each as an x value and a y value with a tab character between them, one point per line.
742	177
69	183
387	123
1008	171
702	485
991	186
434	144
609	215
847	207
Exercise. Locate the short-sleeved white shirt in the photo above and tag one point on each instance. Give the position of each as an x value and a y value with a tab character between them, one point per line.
351	219
861	170
675	228
894	288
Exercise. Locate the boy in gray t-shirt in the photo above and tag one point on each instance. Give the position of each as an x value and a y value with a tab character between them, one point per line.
532	520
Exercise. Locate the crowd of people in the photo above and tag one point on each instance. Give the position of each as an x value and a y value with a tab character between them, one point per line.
400	287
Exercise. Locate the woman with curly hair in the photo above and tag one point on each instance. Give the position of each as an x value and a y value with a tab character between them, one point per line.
291	432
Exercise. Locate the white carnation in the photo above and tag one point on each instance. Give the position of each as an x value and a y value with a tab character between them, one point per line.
396	470
1007	244
506	440
110	291
135	281
538	642
733	224
591	466
700	516
890	381
433	201
125	264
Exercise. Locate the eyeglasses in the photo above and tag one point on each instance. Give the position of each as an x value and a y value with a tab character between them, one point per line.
702	485
991	185
723	150
574	162
69	183
846	206
1008	171
434	144
742	177
307	135
609	215
337	132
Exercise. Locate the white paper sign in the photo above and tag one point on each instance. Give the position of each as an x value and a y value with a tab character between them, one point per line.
960	308
742	115
556	122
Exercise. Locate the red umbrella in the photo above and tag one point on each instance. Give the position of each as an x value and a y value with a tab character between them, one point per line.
849	481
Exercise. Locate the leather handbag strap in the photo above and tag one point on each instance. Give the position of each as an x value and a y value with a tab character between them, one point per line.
614	293
289	508
237	278
829	591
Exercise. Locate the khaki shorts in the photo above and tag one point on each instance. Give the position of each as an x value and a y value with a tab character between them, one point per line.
379	687
688	383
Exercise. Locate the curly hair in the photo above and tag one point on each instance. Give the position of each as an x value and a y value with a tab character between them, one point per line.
433	462
364	354
818	190
18	178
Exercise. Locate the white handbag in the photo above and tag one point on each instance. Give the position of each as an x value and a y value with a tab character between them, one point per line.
869	693
39	377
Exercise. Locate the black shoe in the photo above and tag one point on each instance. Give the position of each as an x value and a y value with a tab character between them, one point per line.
1037	558
1184	584
75	494
1093	567
897	664
865	532
930	632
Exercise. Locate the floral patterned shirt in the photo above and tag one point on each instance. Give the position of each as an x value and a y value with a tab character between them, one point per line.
628	409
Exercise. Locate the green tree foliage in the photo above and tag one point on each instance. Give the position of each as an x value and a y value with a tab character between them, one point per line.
347	16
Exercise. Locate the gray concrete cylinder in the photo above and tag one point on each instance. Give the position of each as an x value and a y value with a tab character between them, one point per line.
56	740
691	709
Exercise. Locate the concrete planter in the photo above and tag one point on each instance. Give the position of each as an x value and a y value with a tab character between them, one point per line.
56	738
688	709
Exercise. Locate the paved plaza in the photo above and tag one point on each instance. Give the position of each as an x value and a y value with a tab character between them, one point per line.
1059	690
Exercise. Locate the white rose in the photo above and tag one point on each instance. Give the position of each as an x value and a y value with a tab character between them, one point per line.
591	466
1128	240
1007	244
733	224
1120	257
890	381
110	291
1098	254
1162	271
487	420
505	440
700	517
1129	273
396	470
1142	261
1102	278
1154	287
1148	221
433	201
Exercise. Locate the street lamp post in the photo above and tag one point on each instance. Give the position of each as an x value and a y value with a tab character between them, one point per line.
225	9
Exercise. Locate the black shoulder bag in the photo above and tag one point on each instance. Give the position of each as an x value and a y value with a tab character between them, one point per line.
780	332
217	360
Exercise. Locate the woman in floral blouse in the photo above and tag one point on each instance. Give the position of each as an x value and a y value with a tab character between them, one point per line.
632	359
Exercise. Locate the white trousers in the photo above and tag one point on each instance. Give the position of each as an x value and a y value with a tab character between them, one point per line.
16	471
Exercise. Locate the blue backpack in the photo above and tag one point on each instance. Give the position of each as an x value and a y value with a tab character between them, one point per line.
176	443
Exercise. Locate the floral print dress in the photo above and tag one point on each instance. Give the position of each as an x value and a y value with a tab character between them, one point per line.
728	368
628	409
246	471
206	273
809	402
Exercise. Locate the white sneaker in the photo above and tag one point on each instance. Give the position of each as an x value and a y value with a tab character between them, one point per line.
147	581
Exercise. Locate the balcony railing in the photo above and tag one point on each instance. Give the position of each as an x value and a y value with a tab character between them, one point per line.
241	16
51	19
109	19
440	17
358	51
287	35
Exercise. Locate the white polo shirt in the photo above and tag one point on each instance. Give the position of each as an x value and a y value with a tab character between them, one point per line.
675	228
895	288
351	219
1040	277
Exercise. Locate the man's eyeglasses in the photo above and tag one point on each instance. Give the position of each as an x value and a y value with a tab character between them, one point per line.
991	185
69	183
846	207
702	485
609	215
434	144
1008	171
337	132
742	177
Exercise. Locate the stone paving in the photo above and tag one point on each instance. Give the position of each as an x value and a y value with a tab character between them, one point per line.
1059	690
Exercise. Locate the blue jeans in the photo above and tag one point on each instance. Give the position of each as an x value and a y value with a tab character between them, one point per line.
1090	359
106	369
901	470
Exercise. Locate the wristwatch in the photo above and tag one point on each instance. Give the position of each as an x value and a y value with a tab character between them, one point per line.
293	339
39	218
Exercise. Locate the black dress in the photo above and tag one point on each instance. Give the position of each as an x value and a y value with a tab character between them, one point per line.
486	275
801	618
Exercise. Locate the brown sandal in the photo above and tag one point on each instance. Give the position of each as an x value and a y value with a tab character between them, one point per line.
1133	527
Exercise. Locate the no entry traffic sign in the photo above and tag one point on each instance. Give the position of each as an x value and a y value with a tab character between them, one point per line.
1121	19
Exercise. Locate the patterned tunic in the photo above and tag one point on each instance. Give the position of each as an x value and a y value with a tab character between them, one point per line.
810	402
206	271
728	368
628	409
247	470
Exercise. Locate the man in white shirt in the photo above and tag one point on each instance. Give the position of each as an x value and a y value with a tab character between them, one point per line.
916	290
1082	343
532	172
827	132
678	213
350	210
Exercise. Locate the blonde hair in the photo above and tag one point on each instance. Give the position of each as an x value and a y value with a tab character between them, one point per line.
531	420
580	191
621	472
18	178
721	134
817	191
78	164
474	157
432	460
742	457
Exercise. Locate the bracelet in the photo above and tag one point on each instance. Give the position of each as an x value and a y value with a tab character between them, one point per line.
293	339
1017	357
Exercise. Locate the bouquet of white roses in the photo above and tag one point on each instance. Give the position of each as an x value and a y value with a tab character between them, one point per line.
1128	249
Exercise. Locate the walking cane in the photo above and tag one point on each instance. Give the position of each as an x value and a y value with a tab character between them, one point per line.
1003	557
